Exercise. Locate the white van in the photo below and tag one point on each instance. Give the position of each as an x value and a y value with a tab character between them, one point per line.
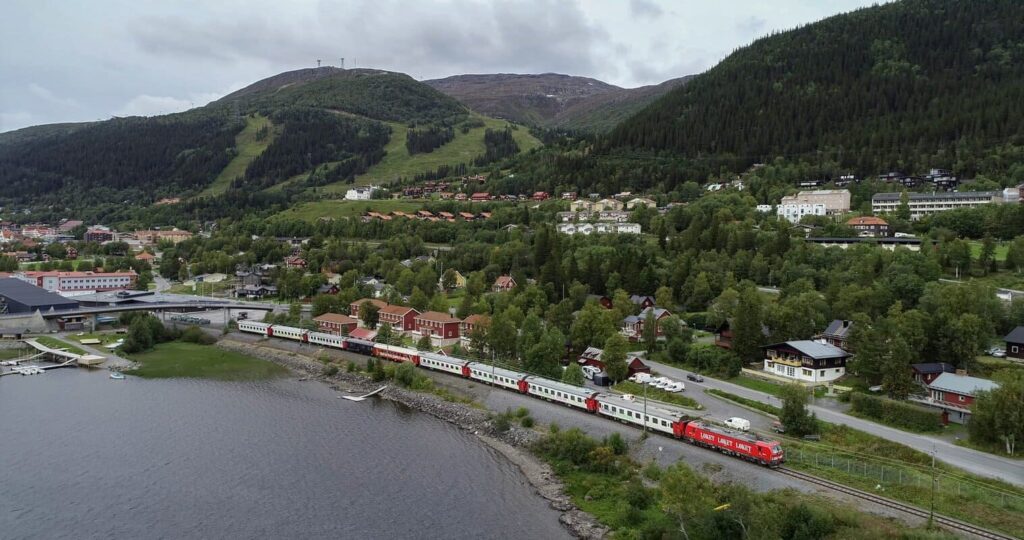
590	371
736	422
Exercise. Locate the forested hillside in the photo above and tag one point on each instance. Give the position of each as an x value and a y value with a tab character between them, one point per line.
133	159
906	85
380	95
326	120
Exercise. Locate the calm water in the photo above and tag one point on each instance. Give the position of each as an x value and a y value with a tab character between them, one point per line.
83	456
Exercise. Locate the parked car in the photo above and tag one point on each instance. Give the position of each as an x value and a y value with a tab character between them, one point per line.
655	381
590	371
694	377
997	352
675	387
665	383
777	427
641	378
736	422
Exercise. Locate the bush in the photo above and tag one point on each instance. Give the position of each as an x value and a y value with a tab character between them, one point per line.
526	422
502	423
896	413
405	374
522	412
330	370
616	443
350	366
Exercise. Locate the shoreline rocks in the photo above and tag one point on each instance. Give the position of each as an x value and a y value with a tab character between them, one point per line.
512	444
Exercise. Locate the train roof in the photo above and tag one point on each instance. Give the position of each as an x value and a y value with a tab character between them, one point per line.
637	405
497	370
560	386
360	341
751	438
444	358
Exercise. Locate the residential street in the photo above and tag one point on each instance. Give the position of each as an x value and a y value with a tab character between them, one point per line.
979	463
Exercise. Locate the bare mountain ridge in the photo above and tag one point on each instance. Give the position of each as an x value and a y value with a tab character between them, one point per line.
550	99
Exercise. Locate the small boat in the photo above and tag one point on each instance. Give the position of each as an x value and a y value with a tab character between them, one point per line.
117	375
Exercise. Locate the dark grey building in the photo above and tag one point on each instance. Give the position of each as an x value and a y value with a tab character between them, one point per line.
16	296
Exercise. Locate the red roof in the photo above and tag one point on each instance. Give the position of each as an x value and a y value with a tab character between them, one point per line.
482	320
868	220
396	309
504	281
374	301
363	333
335	318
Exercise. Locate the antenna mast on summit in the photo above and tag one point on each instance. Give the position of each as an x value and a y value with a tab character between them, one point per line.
342	62
317	62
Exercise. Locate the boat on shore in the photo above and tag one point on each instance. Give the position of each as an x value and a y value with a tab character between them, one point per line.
117	375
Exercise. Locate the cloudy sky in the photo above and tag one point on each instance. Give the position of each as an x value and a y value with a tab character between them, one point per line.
64	61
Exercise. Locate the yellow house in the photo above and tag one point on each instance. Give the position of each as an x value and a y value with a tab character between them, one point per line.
460	280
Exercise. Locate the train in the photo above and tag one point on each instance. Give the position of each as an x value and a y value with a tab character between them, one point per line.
658	418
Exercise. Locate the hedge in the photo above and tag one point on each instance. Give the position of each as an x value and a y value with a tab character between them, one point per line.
896	413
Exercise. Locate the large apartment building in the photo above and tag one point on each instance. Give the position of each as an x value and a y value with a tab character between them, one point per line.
79	282
924	204
814	203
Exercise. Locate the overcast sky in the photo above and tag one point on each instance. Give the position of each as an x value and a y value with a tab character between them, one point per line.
64	61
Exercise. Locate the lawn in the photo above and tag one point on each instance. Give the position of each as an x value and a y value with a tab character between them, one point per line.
248	149
398	163
1001	249
760	385
105	338
654	394
336	209
10	354
204	288
55	343
180	359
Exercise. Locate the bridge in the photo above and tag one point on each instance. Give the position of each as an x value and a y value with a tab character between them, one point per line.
150	306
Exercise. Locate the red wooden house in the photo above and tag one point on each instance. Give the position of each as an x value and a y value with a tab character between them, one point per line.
503	283
353	308
335	323
442	328
401	318
954	393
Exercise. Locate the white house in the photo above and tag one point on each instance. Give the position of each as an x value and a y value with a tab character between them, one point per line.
360	193
794	212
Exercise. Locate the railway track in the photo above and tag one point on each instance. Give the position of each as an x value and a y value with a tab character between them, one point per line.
949	523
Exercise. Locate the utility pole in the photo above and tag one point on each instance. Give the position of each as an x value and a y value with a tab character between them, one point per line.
645	409
931	510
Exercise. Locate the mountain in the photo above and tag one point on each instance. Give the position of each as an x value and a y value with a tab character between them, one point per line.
550	99
905	85
333	122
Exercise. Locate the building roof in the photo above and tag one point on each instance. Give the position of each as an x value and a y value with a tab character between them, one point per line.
938	195
866	220
932	367
437	316
658	312
374	301
813	349
394	309
482	320
962	384
1016	335
838	328
640	298
145	256
335	318
31	296
363	333
504	281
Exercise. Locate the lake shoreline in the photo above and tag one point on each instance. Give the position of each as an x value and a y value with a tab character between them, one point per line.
513	444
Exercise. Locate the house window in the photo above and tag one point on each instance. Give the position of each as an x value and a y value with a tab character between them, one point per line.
790	371
961	398
1013	348
806	372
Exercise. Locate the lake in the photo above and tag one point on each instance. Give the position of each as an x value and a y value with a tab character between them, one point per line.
84	456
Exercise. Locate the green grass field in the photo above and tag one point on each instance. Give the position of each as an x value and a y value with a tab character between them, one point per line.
336	209
180	359
462	149
654	394
105	338
1001	249
767	387
9	354
55	343
248	149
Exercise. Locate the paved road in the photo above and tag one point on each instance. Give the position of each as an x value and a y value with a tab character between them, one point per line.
979	463
162	285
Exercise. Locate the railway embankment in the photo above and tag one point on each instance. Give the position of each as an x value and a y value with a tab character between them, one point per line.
513	444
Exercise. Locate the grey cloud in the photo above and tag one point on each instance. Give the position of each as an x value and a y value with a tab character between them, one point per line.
752	26
539	35
644	8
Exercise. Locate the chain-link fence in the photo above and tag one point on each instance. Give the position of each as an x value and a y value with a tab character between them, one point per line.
955	496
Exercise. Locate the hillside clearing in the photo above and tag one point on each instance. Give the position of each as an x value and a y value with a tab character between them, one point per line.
398	163
248	147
